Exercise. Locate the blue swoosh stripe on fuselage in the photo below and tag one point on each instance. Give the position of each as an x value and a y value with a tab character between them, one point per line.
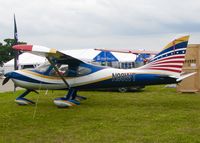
27	79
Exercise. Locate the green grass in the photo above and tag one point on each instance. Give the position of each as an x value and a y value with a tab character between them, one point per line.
156	114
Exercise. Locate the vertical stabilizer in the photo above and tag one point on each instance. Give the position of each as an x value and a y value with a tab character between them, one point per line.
170	60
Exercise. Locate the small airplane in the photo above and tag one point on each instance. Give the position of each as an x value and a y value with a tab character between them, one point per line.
64	72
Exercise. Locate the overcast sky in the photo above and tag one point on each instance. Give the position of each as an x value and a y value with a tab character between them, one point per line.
116	24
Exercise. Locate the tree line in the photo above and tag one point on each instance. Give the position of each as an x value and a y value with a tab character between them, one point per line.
6	51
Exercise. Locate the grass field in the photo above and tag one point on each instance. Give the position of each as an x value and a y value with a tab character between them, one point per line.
156	114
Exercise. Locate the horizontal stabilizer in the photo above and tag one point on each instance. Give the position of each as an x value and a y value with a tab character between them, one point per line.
185	76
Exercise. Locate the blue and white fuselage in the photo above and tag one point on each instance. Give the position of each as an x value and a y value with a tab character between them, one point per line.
103	78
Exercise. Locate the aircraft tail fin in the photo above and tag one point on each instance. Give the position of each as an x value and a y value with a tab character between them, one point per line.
170	60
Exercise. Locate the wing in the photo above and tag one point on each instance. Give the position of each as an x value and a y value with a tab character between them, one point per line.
54	57
130	51
49	53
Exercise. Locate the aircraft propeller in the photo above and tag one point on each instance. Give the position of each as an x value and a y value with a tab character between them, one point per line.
16	52
8	76
5	80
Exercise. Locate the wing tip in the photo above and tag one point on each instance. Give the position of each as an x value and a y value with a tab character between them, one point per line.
23	47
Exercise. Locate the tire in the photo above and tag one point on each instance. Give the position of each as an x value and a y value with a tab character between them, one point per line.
122	89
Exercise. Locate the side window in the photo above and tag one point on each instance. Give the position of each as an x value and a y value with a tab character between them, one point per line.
28	67
76	71
83	71
70	71
63	69
43	67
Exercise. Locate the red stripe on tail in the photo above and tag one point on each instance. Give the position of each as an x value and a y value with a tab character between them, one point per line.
164	69
169	66
168	62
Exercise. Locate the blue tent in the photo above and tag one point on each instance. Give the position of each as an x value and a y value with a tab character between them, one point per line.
105	56
141	58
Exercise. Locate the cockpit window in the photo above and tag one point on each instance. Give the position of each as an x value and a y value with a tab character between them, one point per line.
43	67
64	70
61	68
68	71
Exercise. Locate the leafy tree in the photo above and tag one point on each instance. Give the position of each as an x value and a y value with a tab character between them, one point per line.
6	51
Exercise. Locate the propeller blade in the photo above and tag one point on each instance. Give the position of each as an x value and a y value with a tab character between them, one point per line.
5	80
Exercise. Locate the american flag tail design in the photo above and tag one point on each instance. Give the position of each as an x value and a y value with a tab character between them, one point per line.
170	60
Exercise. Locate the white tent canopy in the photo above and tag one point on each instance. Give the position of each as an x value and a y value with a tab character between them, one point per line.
124	57
27	59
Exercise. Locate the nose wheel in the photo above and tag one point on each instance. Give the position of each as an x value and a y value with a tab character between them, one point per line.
23	101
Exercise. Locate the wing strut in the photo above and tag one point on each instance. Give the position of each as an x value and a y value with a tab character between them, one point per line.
57	71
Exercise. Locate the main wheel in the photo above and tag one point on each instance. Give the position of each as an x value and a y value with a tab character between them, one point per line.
122	89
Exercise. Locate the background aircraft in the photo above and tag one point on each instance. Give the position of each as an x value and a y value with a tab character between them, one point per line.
72	74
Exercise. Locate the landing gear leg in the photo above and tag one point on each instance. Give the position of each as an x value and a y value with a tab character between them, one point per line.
69	100
23	101
77	97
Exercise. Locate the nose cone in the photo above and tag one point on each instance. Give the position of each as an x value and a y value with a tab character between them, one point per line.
9	75
13	75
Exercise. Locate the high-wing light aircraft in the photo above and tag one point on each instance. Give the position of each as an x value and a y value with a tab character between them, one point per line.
68	73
